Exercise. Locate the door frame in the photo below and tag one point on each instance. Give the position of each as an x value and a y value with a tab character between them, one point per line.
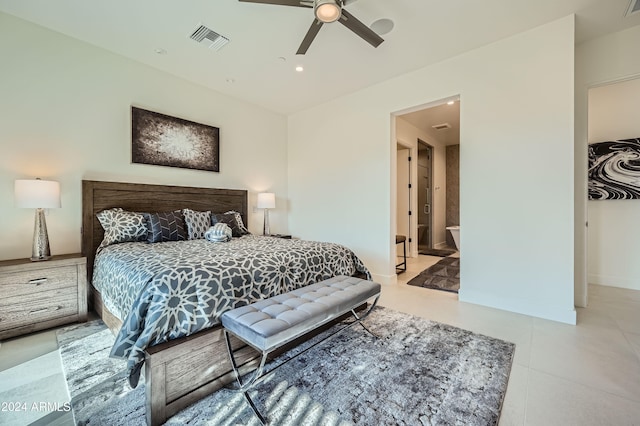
432	207
412	242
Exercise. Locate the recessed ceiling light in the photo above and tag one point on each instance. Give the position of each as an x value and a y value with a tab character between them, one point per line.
450	103
382	26
231	80
299	68
160	51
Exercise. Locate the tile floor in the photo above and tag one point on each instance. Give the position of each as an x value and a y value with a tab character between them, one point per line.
32	383
584	375
588	374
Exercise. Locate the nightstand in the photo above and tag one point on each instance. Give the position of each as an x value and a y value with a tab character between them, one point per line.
39	295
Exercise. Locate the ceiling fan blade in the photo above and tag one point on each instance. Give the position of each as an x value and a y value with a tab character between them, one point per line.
297	3
311	34
366	33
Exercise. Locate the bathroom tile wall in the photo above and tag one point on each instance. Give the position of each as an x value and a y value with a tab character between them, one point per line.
453	189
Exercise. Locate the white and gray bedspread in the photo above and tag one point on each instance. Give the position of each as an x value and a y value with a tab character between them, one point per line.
168	290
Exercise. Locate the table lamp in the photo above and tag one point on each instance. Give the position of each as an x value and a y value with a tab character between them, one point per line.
266	201
38	194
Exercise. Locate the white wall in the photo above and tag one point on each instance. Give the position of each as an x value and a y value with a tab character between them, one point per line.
601	61
409	135
614	237
65	115
516	160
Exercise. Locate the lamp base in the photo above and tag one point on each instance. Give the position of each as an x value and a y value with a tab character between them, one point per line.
265	228
38	259
40	248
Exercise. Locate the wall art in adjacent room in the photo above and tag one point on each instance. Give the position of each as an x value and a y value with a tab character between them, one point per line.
614	170
169	141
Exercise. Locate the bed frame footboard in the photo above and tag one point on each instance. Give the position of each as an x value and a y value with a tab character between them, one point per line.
181	372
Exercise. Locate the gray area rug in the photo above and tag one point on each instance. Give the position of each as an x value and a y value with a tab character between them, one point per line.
436	252
418	372
444	275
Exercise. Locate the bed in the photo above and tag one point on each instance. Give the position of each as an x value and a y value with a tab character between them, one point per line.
186	360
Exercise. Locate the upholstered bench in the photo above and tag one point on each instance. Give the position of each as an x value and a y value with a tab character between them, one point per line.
271	323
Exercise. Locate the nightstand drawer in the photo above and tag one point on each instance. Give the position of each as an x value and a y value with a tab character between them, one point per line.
36	281
39	295
38	306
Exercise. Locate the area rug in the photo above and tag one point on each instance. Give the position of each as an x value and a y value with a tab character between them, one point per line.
417	372
436	252
444	275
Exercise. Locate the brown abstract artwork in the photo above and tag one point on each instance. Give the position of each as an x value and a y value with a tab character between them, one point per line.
169	141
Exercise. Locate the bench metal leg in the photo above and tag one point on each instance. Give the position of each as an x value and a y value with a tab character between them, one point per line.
244	387
366	314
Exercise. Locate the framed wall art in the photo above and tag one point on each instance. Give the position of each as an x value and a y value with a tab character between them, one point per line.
163	140
614	170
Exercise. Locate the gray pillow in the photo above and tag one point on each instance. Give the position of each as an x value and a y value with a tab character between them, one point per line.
165	226
243	229
230	220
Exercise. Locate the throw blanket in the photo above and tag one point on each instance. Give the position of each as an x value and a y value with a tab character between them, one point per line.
168	290
219	233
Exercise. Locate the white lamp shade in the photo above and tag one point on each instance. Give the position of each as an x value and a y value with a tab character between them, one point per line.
266	200
37	194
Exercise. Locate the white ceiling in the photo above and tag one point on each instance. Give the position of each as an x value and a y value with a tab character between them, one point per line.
425	119
337	63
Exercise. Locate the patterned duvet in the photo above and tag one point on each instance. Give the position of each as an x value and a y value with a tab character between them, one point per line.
163	291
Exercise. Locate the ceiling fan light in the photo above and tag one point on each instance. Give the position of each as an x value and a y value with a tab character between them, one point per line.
327	10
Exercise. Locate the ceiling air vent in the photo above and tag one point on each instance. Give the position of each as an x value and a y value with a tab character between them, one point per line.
634	7
209	38
442	126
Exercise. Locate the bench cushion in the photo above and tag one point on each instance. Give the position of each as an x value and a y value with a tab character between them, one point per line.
270	323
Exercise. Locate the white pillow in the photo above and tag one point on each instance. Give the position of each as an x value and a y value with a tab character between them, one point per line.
197	223
121	226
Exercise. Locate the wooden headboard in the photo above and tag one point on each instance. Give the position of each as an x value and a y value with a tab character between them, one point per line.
98	196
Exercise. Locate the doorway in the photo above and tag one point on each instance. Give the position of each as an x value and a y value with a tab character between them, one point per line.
425	195
613	184
426	135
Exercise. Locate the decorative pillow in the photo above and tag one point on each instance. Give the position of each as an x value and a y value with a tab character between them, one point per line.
230	220
238	216
165	226
197	223
218	233
121	226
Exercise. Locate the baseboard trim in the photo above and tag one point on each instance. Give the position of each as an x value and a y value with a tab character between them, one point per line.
613	281
541	310
385	279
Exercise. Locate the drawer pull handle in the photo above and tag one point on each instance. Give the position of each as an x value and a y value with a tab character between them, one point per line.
38	281
37	311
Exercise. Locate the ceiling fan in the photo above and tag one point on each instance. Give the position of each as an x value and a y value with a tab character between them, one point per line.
327	11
